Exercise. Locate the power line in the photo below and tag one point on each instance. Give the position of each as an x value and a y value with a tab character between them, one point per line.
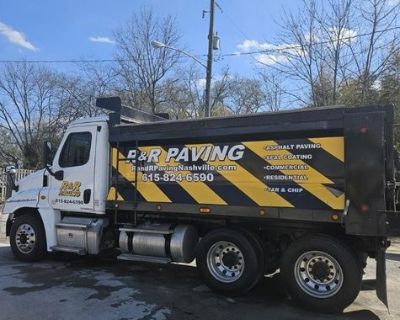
233	54
87	60
235	25
232	21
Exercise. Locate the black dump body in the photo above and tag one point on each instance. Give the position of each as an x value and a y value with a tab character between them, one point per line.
331	164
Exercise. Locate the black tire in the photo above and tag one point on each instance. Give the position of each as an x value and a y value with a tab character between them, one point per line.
38	250
250	273
351	271
257	244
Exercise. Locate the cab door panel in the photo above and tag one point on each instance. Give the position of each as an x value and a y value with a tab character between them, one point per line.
75	161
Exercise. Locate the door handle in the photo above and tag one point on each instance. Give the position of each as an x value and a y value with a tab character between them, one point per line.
86	196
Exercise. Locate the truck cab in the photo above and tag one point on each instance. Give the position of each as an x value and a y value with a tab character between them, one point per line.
76	180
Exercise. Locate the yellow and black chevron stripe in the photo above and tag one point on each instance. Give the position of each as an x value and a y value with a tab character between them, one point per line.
246	185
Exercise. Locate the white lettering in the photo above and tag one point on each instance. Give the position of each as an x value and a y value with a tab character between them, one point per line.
236	152
196	154
154	155
183	155
218	153
131	156
172	152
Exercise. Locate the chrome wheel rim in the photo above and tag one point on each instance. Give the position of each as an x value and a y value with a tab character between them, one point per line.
225	261
25	238
318	274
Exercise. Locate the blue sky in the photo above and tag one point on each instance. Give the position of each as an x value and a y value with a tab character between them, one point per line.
61	30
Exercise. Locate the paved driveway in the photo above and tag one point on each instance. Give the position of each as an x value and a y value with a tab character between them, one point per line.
70	287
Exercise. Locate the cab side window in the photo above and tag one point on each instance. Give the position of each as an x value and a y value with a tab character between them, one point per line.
76	150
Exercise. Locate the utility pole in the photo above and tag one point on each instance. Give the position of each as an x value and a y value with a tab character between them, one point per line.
207	104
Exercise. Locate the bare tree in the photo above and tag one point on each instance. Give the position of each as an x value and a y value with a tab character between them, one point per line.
371	53
329	45
315	50
141	67
9	152
193	86
220	91
181	94
36	104
29	107
78	92
390	92
300	49
184	93
336	34
274	90
245	95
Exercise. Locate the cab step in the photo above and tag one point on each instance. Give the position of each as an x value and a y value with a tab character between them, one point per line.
72	226
79	251
140	258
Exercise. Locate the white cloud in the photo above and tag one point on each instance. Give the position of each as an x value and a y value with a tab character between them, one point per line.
16	37
201	82
101	40
272	53
270	59
252	45
346	35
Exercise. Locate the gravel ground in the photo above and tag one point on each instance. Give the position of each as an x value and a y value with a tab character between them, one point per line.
71	287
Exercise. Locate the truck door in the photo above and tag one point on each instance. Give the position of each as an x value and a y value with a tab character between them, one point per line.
75	164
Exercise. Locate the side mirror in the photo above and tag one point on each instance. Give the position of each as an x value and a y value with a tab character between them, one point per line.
10	182
48	159
47	154
11	170
59	175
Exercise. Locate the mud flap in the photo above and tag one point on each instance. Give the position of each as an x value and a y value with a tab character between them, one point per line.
381	288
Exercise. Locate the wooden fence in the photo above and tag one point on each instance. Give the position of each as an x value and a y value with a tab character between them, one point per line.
3	180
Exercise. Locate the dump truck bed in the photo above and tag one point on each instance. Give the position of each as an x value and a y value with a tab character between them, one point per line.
328	165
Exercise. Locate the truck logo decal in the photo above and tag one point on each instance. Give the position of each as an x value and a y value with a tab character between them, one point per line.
292	173
188	153
70	189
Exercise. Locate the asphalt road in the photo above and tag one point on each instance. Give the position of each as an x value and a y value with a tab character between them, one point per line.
70	287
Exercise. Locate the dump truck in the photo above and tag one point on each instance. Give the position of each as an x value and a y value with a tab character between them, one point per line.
310	192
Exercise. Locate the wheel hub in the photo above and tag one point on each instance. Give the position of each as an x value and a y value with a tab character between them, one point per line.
320	271
318	274
25	238
230	259
225	261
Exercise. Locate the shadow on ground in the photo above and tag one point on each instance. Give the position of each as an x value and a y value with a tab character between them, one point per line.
175	287
393	256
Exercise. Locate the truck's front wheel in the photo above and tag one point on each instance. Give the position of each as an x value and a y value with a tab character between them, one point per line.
321	273
27	238
228	261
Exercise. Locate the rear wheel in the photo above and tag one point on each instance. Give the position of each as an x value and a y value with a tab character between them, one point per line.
228	262
27	238
321	273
